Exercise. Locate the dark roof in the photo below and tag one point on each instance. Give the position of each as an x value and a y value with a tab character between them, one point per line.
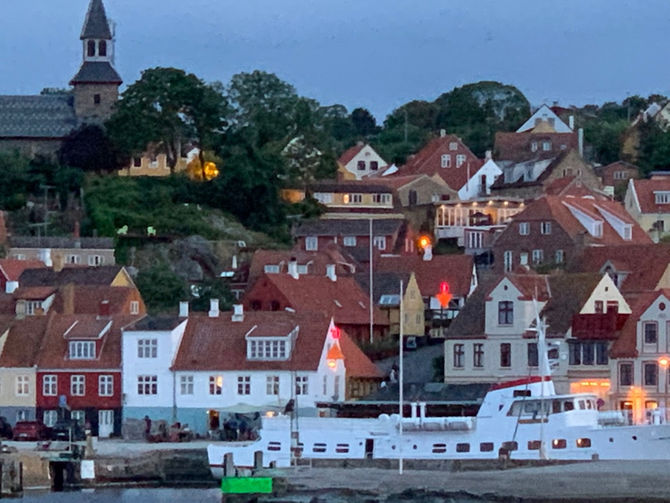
156	323
569	292
61	242
96	25
363	186
37	116
471	318
96	72
333	227
383	283
432	392
102	275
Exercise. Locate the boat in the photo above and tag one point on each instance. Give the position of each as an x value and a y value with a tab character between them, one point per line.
522	419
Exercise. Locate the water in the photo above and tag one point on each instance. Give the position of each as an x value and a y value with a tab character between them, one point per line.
143	495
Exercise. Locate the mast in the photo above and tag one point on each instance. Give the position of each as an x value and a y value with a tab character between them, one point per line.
400	382
545	371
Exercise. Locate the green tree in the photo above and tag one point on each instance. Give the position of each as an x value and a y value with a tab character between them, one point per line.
212	288
168	107
14	180
88	148
161	288
364	122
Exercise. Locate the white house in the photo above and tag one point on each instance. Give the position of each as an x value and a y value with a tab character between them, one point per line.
479	183
361	161
544	114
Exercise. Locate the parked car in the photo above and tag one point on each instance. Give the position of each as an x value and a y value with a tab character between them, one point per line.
5	429
61	430
30	430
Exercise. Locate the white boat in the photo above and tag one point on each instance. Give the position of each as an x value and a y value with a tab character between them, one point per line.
522	419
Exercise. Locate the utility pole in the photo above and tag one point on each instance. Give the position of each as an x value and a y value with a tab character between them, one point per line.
405	124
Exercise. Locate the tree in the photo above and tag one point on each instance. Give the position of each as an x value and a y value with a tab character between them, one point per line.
211	288
364	122
161	288
168	107
88	148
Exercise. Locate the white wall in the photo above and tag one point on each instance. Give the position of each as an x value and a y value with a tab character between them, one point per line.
471	189
366	154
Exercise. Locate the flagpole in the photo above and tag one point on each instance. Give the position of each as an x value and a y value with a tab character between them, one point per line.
371	279
400	381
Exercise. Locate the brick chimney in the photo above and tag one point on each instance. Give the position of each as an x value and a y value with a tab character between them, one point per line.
213	308
76	233
183	309
58	260
238	313
293	268
330	272
104	309
68	298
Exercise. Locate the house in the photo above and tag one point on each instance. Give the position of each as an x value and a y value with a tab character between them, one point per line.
639	360
79	370
155	163
552	230
56	251
338	297
355	199
545	115
538	144
37	125
20	342
360	161
616	175
11	269
648	201
529	179
450	159
112	275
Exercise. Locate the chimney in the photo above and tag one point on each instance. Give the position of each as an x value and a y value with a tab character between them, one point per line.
330	272
213	308
428	253
238	313
443	133
58	261
77	231
572	122
488	156
183	309
68	298
293	268
45	256
234	264
580	141
104	309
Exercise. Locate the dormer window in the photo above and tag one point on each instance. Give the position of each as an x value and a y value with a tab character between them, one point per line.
662	197
533	146
82	350
267	349
546	145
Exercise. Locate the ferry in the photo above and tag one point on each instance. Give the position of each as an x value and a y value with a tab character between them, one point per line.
523	419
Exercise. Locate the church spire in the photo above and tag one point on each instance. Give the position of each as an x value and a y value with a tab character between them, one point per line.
96	25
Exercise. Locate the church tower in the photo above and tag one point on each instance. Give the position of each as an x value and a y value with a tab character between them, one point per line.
96	85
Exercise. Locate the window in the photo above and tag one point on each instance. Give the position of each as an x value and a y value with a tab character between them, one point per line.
147	348
459	354
271	269
186	385
599	306
49	385
374	165
602	358
508	258
360	165
460	159
349	240
137	162
325	385
21	415
532	354
272	385
626	374
412	197
650	374
73	259
22	386
102	48
546	145
323	197
545	227
90	48
381	198
353	198
439	448
105	385
82	350
96	99
486	447
379	242
505	354
538	256
96	260
50	417
215	385
311	243
259	349
575	350
524	228
523	258
147	385
445	161
559	256
77	385
79	416
134	307
478	355
650	333
244	385
533	146
505	312
301	385
463	447
662	197
612	305
453	146
559	443
583	442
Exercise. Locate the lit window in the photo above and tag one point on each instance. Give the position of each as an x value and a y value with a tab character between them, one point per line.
49	385
215	385
82	350
244	385
77	385
105	385
186	385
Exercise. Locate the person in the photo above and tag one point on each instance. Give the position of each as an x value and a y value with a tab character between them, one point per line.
147	428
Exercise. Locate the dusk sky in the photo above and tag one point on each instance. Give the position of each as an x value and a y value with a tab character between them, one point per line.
376	54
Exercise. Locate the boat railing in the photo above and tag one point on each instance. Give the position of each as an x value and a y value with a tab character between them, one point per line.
658	415
439	424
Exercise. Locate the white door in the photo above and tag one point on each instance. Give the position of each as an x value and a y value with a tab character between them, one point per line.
105	423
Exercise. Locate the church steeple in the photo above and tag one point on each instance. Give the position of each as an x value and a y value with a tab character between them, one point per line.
96	83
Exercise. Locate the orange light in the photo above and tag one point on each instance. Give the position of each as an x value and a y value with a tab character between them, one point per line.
444	295
424	241
663	361
332	364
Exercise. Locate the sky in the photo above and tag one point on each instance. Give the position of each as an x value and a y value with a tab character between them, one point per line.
377	54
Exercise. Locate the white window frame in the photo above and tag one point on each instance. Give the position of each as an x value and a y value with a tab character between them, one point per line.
73	259
50	385
379	242
267	349
545	227
78	385
453	146
445	161
147	385
186	384
508	260
134	307
22	385
460	160
271	269
32	306
311	243
82	350
559	256
216	385
546	145
244	385
272	385
524	228
96	260
147	348
538	256
106	385
301	385
349	240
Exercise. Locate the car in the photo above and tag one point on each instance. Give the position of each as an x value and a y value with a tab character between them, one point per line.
30	430
61	430
411	343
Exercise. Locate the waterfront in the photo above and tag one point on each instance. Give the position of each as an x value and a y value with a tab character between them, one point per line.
116	495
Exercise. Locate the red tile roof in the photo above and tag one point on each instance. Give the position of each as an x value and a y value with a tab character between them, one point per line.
12	268
349	154
428	161
531	286
23	340
87	299
644	190
34	292
316	261
516	147
599	326
357	364
454	269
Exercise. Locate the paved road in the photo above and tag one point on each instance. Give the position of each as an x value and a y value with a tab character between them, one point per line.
418	364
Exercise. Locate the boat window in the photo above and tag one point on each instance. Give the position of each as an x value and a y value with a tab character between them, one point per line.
589	404
439	448
274	446
556	406
521	392
529	408
486	446
510	446
342	448
534	445
463	447
582	405
319	448
568	405
559	443
583	442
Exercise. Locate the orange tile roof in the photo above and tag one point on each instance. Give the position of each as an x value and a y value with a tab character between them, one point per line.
644	189
34	292
516	147
12	268
357	364
23	340
349	154
316	261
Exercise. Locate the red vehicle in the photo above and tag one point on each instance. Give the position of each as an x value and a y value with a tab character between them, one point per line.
30	430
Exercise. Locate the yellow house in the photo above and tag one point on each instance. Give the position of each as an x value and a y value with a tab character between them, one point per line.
151	164
413	306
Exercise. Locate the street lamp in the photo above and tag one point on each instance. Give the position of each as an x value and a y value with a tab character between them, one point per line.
443	297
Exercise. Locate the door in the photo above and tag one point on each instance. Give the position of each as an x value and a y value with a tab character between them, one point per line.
105	423
369	447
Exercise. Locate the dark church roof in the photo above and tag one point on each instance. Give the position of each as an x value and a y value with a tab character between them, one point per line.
96	72
96	25
37	116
